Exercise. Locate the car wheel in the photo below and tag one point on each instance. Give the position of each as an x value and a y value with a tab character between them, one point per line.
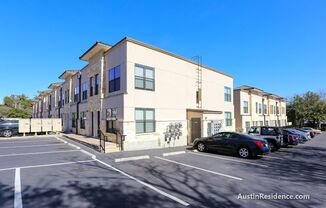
244	152
7	133
201	147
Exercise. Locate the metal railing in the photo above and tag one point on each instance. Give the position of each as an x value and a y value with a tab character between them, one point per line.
119	140
103	139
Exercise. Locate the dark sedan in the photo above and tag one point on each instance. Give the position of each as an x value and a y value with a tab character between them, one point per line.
243	145
8	128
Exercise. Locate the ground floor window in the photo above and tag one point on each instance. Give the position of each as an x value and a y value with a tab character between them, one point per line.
145	120
82	120
228	119
266	123
73	120
111	117
247	124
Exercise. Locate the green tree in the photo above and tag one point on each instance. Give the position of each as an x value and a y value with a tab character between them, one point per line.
16	106
310	107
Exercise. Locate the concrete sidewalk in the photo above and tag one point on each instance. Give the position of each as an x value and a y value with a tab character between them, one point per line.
92	142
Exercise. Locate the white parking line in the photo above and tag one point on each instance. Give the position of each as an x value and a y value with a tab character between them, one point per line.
131	158
38	153
18	195
40	145
137	180
47	165
173	153
267	156
194	167
145	184
17	141
229	159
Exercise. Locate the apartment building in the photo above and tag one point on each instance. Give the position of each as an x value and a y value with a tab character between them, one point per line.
255	107
153	97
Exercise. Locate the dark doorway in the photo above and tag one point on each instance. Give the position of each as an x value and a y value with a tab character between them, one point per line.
98	123
195	129
92	123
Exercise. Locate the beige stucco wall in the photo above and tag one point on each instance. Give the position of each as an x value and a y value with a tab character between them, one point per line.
175	92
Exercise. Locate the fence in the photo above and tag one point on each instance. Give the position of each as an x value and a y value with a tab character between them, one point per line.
39	125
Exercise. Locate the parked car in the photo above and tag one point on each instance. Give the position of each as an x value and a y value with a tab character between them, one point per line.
304	136
273	135
243	145
316	131
309	132
290	137
8	128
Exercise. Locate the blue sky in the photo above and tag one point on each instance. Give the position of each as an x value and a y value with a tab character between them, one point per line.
275	45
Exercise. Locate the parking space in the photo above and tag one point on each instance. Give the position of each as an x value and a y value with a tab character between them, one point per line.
52	172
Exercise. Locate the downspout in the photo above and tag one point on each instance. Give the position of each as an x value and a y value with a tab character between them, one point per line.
102	89
78	100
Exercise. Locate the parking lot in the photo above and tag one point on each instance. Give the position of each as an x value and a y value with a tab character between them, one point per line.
50	171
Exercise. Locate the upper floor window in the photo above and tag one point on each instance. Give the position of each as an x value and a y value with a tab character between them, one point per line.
228	118
91	86
227	94
66	96
259	108
63	95
265	109
114	79
245	106
84	89
76	94
144	77
97	83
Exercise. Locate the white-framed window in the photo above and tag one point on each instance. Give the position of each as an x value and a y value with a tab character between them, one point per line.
111	117
144	77
145	120
84	91
259	108
83	118
228	118
245	107
227	94
114	79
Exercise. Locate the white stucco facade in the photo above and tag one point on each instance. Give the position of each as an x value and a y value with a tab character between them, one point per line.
180	107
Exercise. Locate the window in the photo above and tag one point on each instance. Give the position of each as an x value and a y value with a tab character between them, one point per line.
50	102
111	117
228	119
76	94
66	96
245	106
144	77
266	123
91	86
82	120
256	108
114	79
97	83
145	121
73	120
259	108
261	123
63	98
265	109
247	124
84	93
227	94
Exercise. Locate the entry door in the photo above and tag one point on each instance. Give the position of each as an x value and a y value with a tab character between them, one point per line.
92	123
98	123
195	128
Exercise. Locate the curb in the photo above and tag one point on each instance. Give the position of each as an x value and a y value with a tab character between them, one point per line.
92	146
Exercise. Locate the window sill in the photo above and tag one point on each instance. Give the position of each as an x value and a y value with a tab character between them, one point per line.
145	134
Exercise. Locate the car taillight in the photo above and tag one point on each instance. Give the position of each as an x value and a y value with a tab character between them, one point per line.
259	143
